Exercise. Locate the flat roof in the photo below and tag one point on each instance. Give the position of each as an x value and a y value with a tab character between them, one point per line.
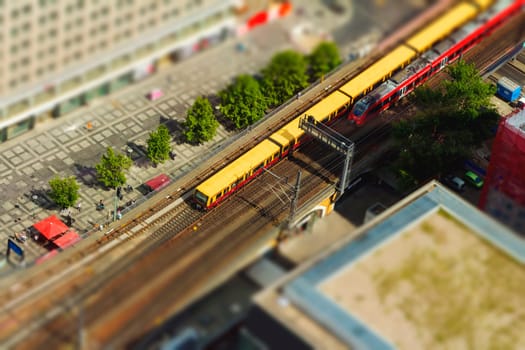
430	250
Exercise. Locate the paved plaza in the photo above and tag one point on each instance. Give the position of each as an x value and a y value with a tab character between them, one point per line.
67	146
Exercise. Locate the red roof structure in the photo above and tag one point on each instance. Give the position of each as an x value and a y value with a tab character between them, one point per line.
158	182
51	227
67	239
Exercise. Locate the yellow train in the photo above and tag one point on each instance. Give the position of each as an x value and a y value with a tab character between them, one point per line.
427	51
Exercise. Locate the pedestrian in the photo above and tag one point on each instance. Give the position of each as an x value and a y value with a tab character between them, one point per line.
119	215
78	206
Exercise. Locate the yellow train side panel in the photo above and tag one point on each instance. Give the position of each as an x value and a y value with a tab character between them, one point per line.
329	105
442	27
236	169
379	71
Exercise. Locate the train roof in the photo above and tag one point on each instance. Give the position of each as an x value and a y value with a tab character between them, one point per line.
409	70
328	105
236	169
288	133
483	4
442	27
376	72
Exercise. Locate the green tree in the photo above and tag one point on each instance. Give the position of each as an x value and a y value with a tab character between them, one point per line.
201	124
64	191
324	59
110	170
159	146
243	101
451	122
284	76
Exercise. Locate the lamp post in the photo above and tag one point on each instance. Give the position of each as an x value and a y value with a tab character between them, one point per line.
116	205
34	197
129	150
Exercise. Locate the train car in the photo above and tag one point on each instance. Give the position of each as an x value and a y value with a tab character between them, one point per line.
331	107
432	61
378	72
236	174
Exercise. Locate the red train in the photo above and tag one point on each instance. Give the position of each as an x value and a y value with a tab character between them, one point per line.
432	61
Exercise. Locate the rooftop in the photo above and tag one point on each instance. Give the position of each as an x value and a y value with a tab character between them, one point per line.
411	270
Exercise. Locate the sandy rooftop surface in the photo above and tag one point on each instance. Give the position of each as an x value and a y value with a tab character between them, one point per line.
436	286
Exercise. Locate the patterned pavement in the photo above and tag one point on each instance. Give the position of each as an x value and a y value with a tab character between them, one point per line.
66	146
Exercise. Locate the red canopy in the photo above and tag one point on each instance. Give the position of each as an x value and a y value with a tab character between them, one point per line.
67	239
51	227
158	182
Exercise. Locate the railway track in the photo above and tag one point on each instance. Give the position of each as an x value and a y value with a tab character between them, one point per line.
166	240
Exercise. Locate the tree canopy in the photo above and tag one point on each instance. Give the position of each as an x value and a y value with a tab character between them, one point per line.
64	191
159	146
451	121
324	58
201	124
110	169
284	76
243	101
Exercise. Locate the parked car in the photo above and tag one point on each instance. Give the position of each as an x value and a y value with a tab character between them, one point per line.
474	179
454	182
